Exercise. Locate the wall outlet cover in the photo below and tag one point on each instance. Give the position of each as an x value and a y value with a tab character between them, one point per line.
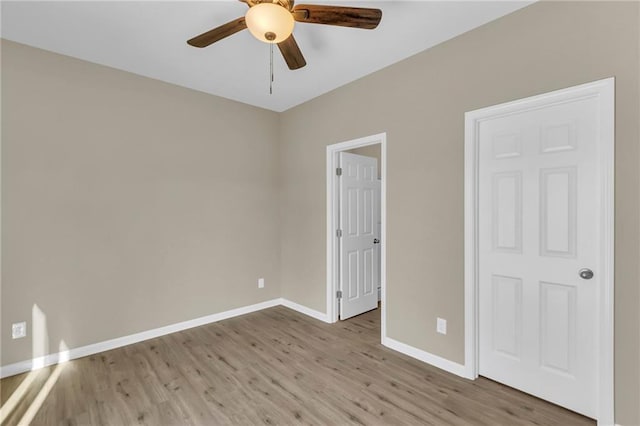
261	283
18	330
441	326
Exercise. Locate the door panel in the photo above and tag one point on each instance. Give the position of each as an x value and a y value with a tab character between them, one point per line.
507	320
359	257
558	327
558	221
538	225
507	212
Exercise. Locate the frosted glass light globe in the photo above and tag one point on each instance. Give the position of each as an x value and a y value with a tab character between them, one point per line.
269	22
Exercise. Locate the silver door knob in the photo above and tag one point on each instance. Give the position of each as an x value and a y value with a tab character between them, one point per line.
376	241
585	274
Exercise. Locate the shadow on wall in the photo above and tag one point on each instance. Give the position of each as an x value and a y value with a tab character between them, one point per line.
36	384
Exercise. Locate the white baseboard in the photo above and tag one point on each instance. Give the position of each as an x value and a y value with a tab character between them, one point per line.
36	363
304	310
431	359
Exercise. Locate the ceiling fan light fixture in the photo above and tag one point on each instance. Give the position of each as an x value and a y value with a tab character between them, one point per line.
269	22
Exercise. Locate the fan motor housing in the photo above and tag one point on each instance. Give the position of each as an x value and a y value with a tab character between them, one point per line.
287	4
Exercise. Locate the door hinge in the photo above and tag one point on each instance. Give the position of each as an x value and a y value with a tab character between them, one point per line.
339	233
339	171
339	294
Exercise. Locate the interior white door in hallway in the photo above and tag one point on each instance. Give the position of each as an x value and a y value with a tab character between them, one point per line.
539	236
358	225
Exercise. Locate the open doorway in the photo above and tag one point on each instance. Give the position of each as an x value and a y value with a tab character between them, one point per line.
356	231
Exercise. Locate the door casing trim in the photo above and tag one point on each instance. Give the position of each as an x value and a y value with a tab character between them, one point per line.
605	91
332	222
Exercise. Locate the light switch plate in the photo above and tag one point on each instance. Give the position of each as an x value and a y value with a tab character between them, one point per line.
441	326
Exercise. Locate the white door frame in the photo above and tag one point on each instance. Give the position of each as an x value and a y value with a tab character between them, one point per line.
604	91
332	221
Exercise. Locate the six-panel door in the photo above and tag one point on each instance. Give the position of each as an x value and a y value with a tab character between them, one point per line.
358	221
538	227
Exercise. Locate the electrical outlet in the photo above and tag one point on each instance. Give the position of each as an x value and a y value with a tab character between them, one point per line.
19	330
260	282
441	326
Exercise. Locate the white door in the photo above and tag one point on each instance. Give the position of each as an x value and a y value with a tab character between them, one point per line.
539	226
358	221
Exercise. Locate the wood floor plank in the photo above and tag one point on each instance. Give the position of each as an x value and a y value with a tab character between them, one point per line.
275	367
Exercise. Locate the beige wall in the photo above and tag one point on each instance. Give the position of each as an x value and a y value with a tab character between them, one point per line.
127	203
420	103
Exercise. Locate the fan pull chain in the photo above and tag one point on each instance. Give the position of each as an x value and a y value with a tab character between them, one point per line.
271	69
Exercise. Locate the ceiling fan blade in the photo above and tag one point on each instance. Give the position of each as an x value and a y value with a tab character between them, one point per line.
355	17
216	34
292	54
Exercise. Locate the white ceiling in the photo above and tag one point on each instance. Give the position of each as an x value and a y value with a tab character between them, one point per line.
149	38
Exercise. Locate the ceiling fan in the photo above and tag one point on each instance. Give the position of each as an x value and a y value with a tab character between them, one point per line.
272	21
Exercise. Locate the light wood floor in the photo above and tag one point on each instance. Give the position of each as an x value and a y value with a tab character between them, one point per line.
275	367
